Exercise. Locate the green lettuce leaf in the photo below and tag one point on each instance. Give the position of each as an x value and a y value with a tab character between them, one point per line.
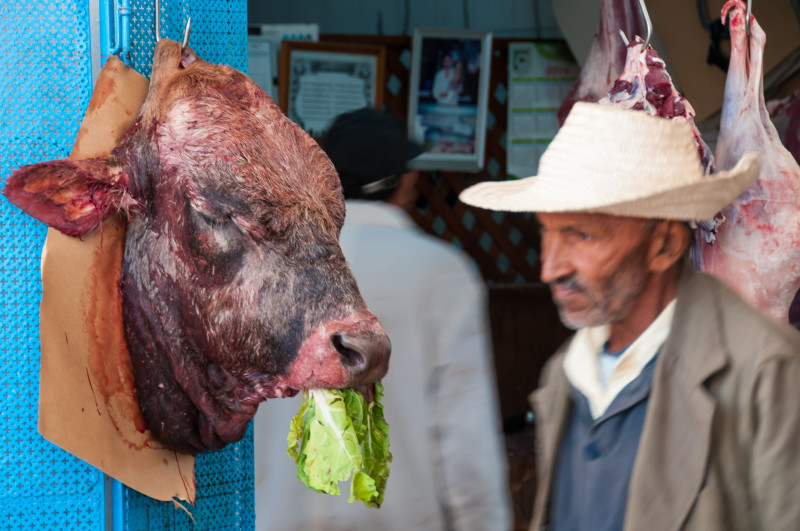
338	434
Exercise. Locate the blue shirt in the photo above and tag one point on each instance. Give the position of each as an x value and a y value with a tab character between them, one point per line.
594	465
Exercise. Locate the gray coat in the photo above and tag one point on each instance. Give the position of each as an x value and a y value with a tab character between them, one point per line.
720	448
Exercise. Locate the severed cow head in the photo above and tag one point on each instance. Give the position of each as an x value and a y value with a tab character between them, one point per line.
234	287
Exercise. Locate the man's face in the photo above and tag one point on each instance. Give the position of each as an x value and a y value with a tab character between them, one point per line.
595	264
447	61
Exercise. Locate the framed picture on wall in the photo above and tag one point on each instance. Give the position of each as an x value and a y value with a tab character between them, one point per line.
448	97
320	80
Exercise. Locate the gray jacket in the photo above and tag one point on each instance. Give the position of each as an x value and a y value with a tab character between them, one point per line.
720	448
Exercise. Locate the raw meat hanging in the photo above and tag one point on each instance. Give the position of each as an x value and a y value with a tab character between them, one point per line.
645	85
607	56
757	250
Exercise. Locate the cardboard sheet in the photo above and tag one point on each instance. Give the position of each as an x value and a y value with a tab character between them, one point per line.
87	399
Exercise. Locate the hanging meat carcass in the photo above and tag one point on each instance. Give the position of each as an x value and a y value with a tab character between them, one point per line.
607	56
645	85
757	250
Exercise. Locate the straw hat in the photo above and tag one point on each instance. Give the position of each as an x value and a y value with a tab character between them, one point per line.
621	162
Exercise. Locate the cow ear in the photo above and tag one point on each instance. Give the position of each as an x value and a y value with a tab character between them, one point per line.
73	196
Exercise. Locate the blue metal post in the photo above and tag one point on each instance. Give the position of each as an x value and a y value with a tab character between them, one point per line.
117	509
115	35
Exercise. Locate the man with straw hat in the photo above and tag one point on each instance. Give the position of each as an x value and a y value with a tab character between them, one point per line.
674	405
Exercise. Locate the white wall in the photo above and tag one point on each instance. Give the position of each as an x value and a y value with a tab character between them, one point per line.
505	18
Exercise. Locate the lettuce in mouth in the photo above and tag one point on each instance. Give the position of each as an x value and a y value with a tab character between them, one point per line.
339	432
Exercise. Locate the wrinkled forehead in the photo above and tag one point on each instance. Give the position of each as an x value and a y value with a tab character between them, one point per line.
591	219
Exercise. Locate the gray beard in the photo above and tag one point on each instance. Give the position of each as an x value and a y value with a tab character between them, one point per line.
601	313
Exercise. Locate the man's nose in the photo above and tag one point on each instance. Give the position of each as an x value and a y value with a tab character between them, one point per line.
554	262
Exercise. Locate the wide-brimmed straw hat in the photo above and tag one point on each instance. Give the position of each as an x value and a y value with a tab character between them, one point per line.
621	162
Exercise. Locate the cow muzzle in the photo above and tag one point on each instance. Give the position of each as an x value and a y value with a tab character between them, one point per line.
342	354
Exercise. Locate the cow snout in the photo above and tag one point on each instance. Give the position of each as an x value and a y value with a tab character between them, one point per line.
350	351
341	353
363	353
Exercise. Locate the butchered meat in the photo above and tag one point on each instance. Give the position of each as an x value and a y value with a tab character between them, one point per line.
757	249
645	85
607	55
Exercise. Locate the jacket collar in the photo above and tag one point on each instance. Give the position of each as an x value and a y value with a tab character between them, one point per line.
698	321
672	457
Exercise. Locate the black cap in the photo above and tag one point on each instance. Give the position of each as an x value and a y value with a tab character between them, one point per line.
370	150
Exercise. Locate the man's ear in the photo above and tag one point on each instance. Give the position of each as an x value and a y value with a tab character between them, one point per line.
73	196
668	243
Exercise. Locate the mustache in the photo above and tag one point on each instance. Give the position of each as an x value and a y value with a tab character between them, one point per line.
572	282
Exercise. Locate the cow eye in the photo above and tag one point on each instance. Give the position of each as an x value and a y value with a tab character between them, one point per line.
215	220
210	220
216	231
216	242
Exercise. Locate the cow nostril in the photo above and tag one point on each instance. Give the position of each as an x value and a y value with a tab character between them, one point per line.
351	358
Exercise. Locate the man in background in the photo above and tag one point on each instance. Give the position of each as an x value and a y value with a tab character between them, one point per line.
449	467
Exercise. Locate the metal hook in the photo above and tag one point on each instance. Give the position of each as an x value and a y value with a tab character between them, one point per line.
158	20
747	18
648	23
186	30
